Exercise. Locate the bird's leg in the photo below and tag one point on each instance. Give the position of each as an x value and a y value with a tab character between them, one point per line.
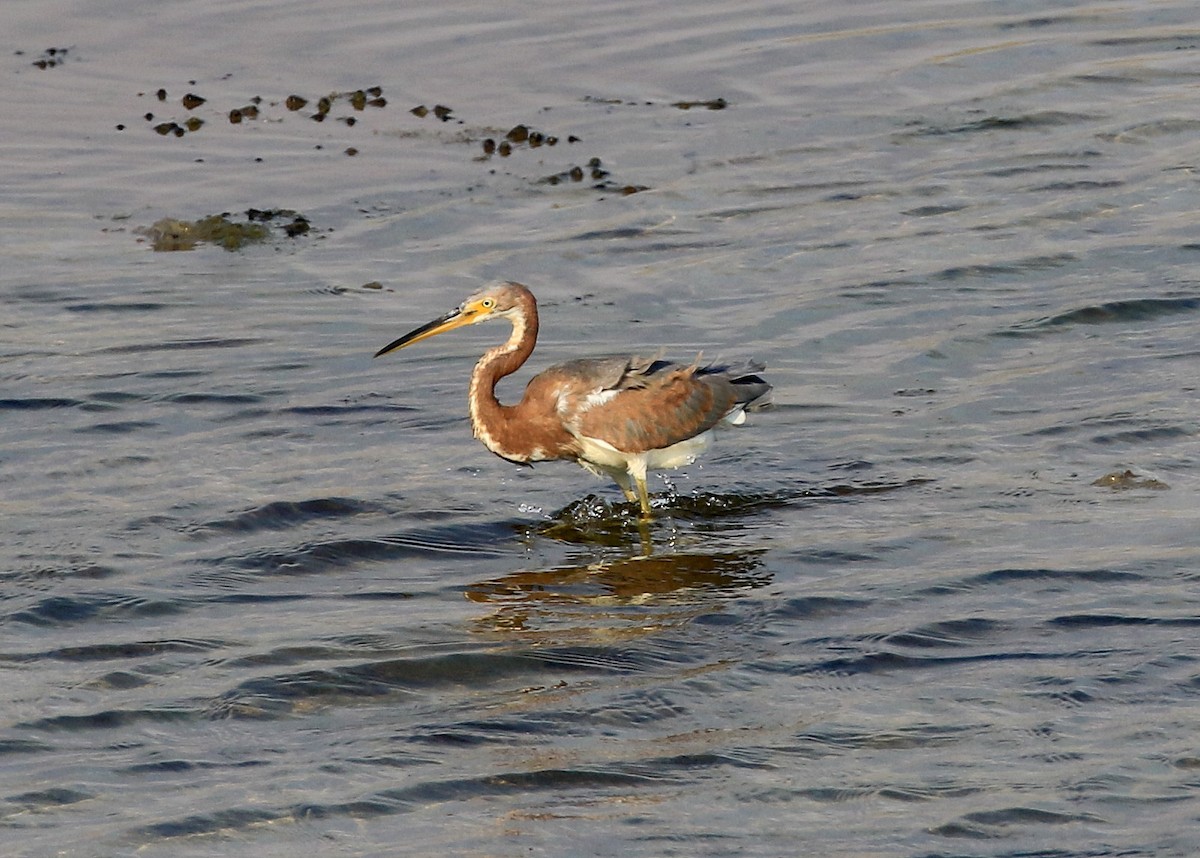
644	534
636	472
623	483
643	496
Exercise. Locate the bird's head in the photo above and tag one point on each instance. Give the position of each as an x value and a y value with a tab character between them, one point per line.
499	300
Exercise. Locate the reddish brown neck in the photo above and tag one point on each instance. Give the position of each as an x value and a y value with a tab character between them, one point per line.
492	421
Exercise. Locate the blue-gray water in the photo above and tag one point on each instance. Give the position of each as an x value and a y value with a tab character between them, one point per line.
263	595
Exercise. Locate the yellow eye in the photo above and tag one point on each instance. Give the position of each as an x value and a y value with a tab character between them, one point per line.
487	303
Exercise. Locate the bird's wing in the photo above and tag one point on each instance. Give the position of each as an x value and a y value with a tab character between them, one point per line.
638	404
606	372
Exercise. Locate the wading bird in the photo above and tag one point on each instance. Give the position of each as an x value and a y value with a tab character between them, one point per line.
616	415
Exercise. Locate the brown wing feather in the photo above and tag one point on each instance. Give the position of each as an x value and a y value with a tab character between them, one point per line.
668	407
635	404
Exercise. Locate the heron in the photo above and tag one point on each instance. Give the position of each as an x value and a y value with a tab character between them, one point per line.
616	415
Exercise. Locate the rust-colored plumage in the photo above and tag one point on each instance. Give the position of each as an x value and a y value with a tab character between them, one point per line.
617	415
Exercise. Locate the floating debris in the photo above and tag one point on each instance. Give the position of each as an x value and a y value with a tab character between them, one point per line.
711	104
50	58
595	170
575	174
249	111
441	111
498	142
374	284
170	234
359	100
521	134
297	225
1122	480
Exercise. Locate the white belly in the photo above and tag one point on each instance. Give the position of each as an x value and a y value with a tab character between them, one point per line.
608	457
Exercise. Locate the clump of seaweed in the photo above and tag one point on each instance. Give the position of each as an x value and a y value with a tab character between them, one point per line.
168	234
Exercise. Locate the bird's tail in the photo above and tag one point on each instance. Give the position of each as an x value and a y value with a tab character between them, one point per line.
753	391
750	390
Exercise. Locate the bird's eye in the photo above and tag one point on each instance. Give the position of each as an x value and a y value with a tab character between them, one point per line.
487	303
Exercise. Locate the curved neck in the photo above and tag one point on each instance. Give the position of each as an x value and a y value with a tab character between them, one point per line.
488	416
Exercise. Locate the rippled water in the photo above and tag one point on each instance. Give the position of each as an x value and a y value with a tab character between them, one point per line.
264	595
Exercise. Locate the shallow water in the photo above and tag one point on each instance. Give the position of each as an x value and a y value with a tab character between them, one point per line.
264	594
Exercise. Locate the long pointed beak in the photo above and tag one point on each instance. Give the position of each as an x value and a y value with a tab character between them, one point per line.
456	318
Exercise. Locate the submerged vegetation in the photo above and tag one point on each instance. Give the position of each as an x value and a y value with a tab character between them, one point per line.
174	234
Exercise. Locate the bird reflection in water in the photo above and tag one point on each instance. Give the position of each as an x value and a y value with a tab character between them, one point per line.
623	597
616	415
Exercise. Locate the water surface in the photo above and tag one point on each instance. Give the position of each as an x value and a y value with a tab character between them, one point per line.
264	594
